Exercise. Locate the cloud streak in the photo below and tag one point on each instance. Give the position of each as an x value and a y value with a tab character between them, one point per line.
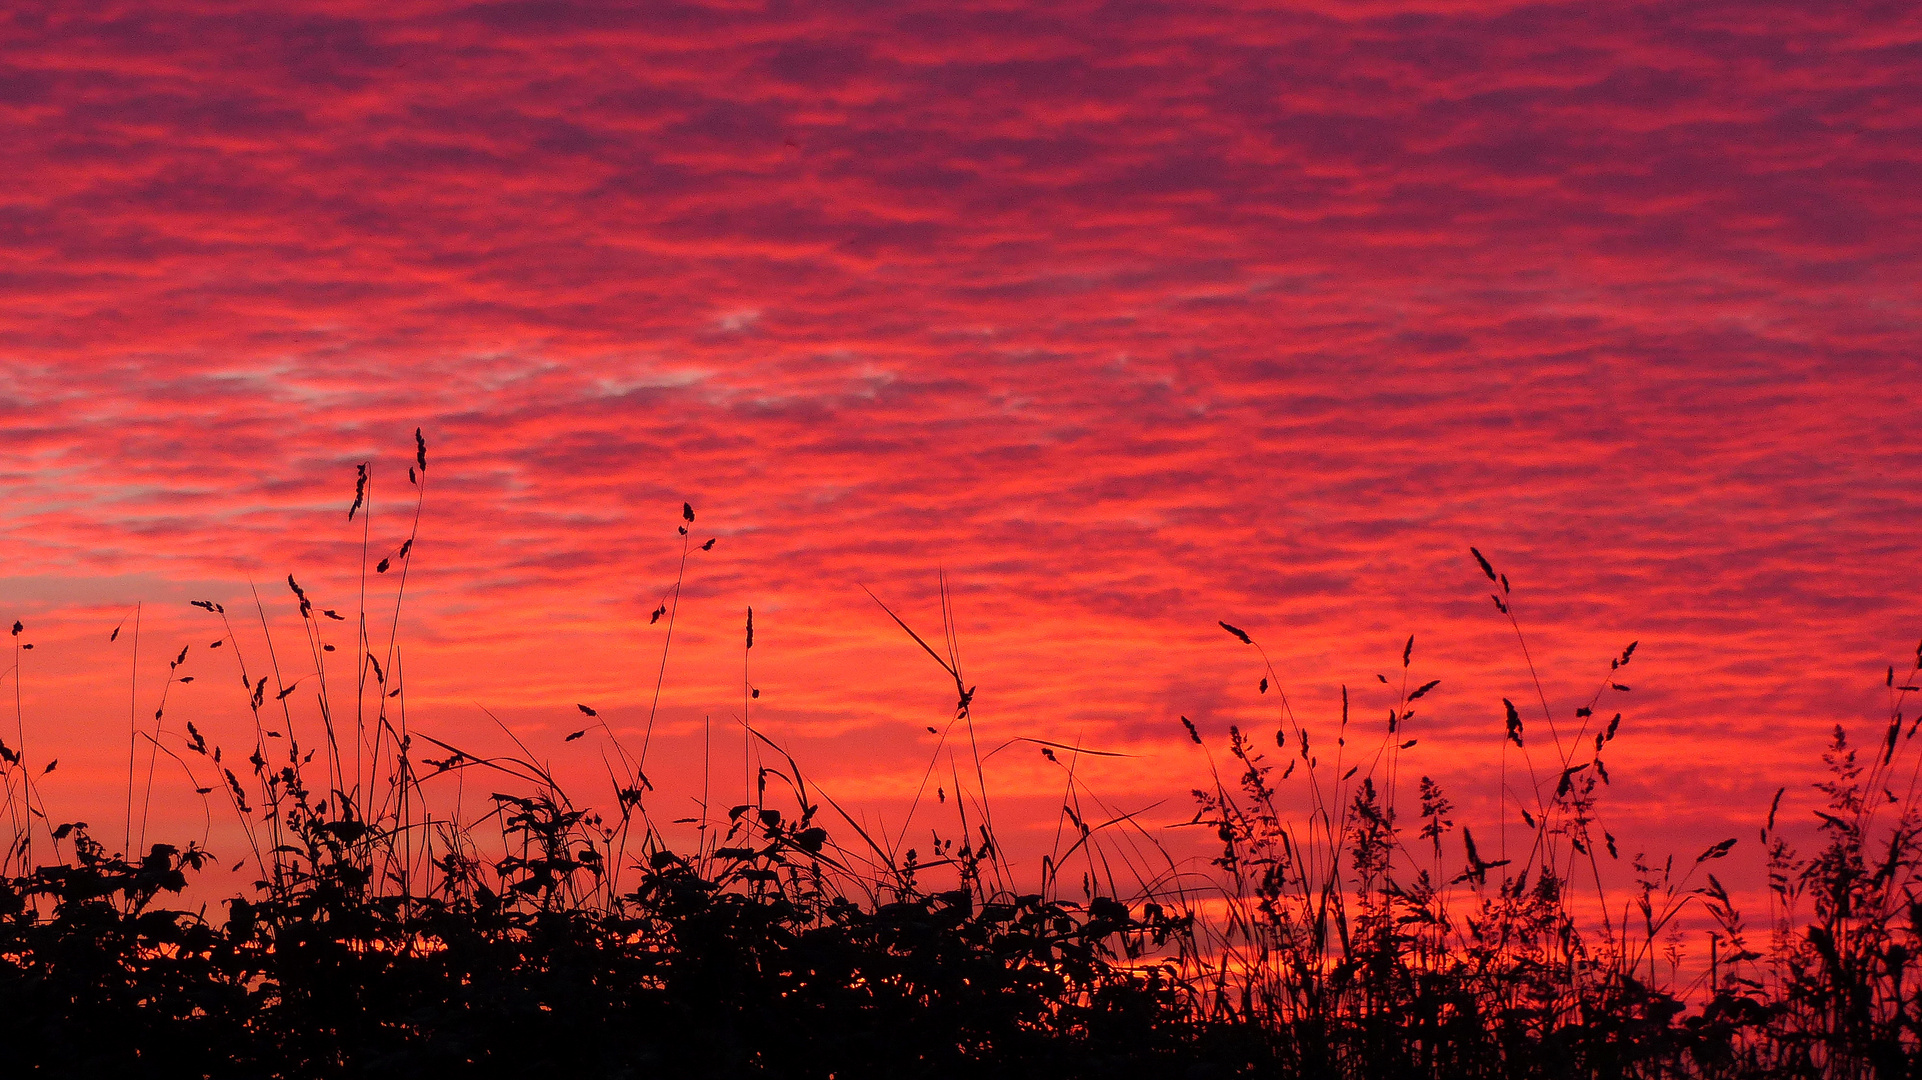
1130	316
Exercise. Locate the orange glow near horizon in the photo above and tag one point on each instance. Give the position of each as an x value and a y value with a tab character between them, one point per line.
1126	318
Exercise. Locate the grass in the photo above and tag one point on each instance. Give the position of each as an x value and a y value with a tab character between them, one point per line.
1369	937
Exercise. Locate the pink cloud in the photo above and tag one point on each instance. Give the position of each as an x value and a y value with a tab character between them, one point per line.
1130	317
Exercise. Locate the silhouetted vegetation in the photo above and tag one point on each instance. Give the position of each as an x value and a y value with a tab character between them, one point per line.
1368	936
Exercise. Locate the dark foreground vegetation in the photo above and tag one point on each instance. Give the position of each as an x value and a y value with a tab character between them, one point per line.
1359	933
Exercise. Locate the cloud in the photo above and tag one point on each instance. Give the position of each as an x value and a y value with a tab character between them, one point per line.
1129	317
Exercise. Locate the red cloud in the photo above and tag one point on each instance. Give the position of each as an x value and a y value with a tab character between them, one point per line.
1131	318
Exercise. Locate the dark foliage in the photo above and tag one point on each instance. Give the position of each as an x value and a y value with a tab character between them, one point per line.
544	939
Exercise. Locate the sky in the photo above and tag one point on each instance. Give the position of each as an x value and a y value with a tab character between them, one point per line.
1127	318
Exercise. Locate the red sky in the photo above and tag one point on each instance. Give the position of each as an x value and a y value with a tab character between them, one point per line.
1130	317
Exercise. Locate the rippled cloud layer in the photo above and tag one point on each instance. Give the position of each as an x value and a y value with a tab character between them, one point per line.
1127	317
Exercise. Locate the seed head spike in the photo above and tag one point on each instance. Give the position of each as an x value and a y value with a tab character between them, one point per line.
360	490
1486	569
